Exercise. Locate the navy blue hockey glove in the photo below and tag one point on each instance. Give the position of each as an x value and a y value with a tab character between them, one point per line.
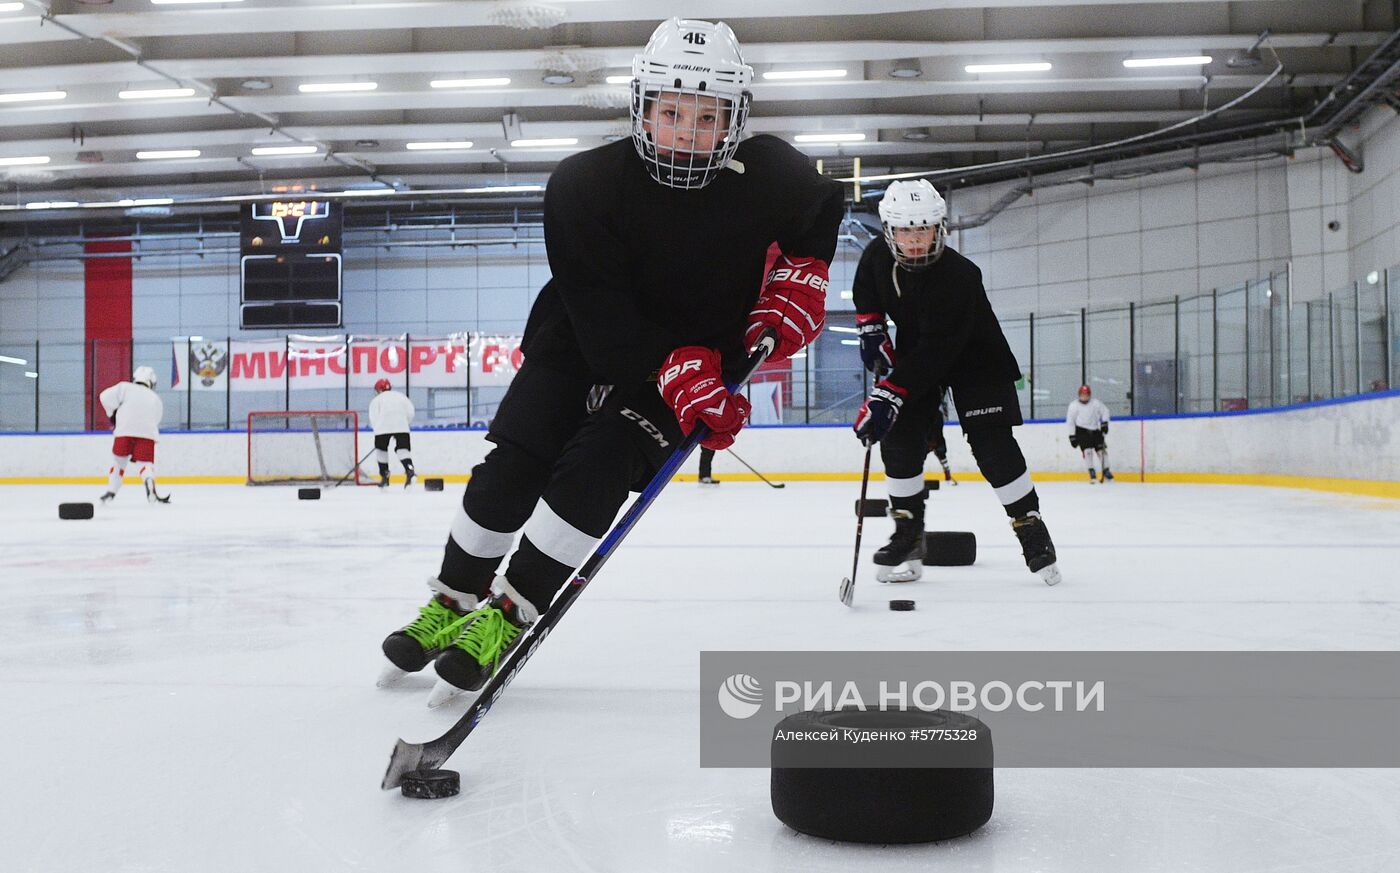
1104	429
878	414
876	350
1074	440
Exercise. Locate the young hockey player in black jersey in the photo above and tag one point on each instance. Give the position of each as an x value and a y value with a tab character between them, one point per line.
946	336
657	248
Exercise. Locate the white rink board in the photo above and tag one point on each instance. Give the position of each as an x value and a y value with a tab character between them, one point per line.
1356	439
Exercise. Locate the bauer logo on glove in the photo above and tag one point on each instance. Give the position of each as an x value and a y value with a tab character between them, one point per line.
792	303
877	416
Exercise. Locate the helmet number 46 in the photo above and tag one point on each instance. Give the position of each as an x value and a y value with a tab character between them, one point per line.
694	37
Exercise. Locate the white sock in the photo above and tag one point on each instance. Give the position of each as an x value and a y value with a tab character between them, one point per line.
115	473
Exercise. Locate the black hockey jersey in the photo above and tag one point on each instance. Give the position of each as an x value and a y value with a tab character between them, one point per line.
946	333
640	269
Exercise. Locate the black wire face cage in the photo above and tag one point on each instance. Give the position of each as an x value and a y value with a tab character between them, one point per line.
703	126
927	259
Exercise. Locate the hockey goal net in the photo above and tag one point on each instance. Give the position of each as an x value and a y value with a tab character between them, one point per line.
294	448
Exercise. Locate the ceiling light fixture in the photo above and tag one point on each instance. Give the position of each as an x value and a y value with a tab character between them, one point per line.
804	74
1029	67
155	93
255	85
52	204
336	87
444	145
274	151
543	143
906	68
167	154
189	2
25	161
557	77
469	83
32	96
618	80
917	134
1192	61
11	7
829	137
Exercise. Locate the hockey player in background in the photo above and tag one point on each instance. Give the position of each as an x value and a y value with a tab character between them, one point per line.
938	444
657	248
947	335
390	414
135	410
1087	419
707	460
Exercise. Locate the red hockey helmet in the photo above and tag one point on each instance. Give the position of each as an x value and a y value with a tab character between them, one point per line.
382	385
1084	392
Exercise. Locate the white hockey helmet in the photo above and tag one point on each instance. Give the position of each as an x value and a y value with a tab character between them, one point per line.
144	376
694	63
914	204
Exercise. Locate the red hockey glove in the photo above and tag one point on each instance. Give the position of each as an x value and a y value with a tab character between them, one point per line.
793	303
692	384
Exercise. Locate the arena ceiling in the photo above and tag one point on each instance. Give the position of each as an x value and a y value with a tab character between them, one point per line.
76	127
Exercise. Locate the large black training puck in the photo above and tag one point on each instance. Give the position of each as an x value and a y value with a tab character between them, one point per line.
902	605
949	548
872	508
74	511
944	791
431	784
432	484
308	494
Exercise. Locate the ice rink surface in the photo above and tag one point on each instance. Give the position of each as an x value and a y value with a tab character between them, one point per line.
191	687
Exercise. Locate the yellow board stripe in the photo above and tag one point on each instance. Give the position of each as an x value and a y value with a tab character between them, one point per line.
1364	487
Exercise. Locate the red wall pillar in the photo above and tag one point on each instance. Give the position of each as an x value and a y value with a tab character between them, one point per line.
106	324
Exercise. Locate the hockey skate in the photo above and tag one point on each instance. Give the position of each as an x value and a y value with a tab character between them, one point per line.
902	559
1036	547
1093	477
409	476
108	497
411	648
708	480
383	480
152	496
1107	475
486	636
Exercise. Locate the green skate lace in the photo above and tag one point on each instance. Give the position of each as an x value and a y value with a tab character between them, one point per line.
488	633
433	625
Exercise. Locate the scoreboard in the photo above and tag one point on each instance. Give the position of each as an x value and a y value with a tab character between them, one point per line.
290	264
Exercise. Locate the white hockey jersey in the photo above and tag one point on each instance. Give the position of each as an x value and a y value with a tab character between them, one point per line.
1090	416
390	412
138	410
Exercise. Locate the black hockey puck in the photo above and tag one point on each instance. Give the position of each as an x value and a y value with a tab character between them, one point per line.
431	784
74	511
432	484
872	507
889	790
308	494
902	605
949	548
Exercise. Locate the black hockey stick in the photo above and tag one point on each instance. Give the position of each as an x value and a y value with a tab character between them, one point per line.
353	469
848	585
756	473
408	757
